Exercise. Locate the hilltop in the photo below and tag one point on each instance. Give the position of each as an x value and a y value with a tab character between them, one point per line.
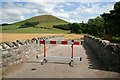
46	23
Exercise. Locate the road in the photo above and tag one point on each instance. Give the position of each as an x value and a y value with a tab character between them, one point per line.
89	67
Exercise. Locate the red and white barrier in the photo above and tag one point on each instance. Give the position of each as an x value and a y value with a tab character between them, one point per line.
61	42
59	58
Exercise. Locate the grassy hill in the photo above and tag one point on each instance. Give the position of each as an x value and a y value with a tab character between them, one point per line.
45	25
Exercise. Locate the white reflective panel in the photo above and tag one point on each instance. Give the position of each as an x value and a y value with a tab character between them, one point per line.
47	42
80	43
70	43
58	42
38	42
59	58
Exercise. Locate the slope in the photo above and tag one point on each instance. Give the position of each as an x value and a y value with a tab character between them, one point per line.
45	25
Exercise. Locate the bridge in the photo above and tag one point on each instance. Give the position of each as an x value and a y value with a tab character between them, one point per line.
91	65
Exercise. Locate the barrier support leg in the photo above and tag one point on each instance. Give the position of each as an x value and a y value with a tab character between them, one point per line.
44	60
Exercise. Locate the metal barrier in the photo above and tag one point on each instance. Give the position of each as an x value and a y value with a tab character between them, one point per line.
59	58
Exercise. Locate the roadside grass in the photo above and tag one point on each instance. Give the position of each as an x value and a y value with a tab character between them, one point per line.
4	72
3	42
116	39
110	38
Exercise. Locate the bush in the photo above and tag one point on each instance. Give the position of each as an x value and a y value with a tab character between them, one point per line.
80	31
74	28
29	24
63	27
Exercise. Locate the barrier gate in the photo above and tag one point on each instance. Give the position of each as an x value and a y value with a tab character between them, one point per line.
44	57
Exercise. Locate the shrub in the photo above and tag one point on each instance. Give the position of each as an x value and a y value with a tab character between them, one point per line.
29	24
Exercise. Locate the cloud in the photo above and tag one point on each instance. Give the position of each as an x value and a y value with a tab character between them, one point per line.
61	10
18	4
60	6
95	9
14	18
74	20
61	15
88	4
59	0
22	17
68	4
13	12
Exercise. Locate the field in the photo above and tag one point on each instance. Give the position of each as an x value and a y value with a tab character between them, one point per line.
10	37
5	29
12	32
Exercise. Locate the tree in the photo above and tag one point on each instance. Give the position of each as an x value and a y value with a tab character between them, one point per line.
84	28
96	25
63	27
74	28
29	24
112	21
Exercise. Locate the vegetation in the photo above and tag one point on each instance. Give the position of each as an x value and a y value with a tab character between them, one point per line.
38	24
112	21
5	24
107	25
44	21
34	30
63	27
10	27
94	26
29	24
75	28
115	40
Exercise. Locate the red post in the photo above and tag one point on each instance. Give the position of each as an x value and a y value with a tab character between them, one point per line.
72	51
44	50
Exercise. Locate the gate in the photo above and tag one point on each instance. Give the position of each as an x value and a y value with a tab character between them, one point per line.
45	58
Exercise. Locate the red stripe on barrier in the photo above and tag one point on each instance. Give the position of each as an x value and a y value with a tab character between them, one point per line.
63	42
52	42
75	43
42	42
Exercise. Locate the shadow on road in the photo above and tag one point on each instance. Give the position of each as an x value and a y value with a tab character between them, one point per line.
47	62
94	61
58	62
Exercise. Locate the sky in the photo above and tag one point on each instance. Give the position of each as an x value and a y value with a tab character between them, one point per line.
71	11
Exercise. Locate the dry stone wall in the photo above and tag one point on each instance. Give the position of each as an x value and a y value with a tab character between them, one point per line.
13	52
108	52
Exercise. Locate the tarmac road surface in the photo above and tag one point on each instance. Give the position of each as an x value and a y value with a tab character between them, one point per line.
89	67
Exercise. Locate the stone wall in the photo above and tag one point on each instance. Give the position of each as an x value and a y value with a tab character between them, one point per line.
13	52
108	52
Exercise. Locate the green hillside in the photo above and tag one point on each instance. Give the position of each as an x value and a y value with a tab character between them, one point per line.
46	23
